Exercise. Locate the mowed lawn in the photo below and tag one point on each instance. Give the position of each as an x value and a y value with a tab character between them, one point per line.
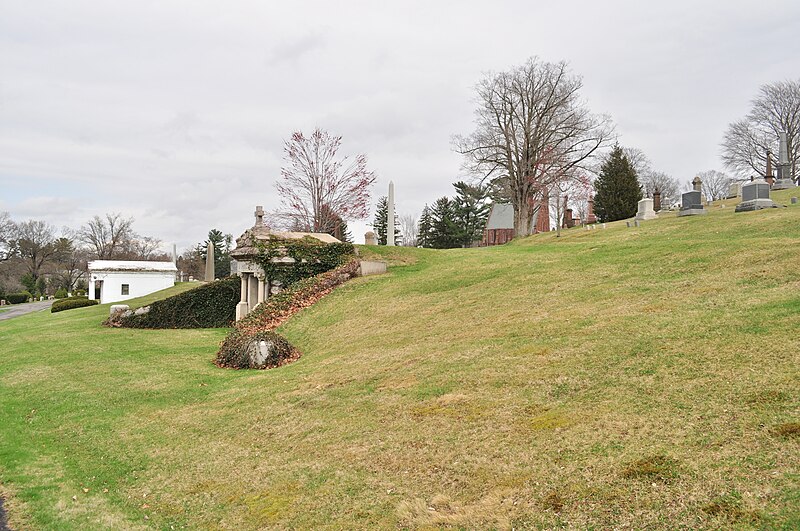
644	377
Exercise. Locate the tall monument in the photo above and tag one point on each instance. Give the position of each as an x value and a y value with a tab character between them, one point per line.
210	262
390	216
784	166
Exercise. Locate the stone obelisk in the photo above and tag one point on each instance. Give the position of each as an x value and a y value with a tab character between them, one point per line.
784	167
390	216
210	262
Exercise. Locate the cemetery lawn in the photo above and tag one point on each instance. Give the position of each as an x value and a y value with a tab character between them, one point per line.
644	377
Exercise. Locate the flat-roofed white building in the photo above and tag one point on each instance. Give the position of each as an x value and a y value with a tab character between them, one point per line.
120	280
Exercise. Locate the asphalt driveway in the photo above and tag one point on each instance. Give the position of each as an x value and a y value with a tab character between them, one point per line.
15	310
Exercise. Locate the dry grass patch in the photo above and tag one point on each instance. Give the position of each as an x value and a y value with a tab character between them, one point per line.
787	430
657	467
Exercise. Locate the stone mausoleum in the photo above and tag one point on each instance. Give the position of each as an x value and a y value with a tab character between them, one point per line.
256	288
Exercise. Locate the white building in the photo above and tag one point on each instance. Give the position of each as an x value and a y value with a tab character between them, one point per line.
118	280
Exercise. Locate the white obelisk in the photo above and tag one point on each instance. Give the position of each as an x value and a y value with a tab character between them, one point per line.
390	216
784	166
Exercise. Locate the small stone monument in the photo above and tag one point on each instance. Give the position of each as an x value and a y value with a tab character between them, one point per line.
692	202
755	196
784	166
656	200
645	210
768	176
210	262
390	218
590	217
370	238
734	190
794	200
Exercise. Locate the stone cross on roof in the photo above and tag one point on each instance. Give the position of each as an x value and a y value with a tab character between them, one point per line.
259	216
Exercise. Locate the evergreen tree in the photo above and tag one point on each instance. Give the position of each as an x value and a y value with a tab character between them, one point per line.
381	220
471	211
444	229
617	190
425	232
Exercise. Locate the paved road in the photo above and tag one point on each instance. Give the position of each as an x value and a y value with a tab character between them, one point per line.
15	310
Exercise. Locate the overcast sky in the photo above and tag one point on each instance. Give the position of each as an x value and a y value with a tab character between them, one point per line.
174	112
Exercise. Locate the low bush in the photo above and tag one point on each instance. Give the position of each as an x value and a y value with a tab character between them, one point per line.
211	305
61	293
255	350
17	298
72	303
241	347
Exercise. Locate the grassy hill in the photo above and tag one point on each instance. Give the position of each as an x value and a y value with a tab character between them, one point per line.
642	377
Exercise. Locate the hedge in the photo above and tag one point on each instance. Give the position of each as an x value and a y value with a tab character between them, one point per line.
17	298
211	305
235	350
71	303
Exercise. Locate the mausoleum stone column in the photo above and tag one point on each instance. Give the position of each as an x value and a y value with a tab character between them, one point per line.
243	308
260	277
91	288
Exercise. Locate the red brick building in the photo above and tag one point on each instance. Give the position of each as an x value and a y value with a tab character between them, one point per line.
500	225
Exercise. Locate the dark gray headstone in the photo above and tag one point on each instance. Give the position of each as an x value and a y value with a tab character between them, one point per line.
692	199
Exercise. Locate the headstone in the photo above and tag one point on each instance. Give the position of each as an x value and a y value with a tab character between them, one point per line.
604	225
697	184
645	210
371	267
370	238
768	176
568	221
210	262
628	224
692	204
656	200
636	222
734	190
390	219
590	217
3	302
755	196
784	166
794	200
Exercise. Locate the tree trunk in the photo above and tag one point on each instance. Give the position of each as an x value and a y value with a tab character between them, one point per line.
522	219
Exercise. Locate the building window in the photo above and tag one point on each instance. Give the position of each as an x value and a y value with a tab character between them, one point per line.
126	288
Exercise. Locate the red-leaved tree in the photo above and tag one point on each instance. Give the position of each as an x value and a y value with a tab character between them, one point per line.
319	189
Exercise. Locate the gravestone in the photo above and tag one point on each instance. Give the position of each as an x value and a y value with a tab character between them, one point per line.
734	190
590	217
755	196
794	200
645	210
692	204
784	181
210	262
656	199
370	238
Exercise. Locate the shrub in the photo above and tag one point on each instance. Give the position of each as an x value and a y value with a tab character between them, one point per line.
61	293
80	293
16	298
71	303
263	349
211	305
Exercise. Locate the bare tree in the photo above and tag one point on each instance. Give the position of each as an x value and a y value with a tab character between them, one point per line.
317	188
70	263
143	247
35	245
774	110
8	230
107	236
668	186
408	226
639	161
715	184
532	130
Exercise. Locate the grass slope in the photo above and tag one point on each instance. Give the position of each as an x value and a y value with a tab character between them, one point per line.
623	377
